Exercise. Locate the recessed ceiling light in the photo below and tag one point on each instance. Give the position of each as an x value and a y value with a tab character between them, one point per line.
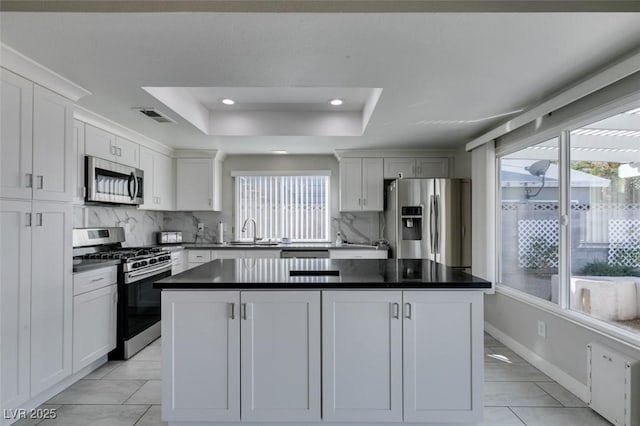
228	101
278	152
336	102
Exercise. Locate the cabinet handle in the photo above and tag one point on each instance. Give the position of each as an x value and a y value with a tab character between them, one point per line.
29	177
408	310
244	311
233	310
395	310
119	150
364	201
38	219
27	219
112	149
40	182
359	201
95	280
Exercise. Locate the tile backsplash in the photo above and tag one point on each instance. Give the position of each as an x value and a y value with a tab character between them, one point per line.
187	222
140	226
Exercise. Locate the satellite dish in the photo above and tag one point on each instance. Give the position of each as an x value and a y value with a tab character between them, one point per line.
539	168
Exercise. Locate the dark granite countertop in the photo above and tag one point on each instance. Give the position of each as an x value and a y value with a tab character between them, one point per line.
280	246
82	265
224	274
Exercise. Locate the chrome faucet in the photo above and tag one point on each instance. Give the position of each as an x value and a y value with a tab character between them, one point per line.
244	228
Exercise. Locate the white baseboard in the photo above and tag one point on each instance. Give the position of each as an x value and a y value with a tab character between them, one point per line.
46	395
574	386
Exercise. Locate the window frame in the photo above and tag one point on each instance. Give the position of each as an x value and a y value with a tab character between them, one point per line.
286	173
562	308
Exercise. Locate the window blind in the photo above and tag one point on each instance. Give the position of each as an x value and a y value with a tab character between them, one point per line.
295	207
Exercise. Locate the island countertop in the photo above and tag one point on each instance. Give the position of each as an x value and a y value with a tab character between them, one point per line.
225	274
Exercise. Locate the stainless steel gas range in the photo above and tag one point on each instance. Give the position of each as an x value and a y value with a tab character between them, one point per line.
138	269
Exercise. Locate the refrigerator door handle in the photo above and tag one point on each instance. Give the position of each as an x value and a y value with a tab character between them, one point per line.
431	223
436	245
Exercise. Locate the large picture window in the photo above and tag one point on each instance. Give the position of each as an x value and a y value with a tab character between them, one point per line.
294	207
593	265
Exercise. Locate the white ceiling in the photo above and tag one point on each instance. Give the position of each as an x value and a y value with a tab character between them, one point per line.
446	78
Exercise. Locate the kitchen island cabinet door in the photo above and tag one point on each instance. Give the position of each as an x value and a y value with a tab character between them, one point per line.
200	356
280	356
15	303
51	294
362	356
443	355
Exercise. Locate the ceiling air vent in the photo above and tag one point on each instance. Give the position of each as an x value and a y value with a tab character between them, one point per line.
155	115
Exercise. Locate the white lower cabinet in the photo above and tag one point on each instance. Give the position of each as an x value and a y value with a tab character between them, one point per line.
178	261
206	334
443	356
280	356
362	356
94	325
200	356
15	302
370	357
51	294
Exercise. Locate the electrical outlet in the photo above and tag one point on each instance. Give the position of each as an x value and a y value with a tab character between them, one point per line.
200	227
542	329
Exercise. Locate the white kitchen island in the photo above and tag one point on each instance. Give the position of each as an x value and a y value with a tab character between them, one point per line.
325	348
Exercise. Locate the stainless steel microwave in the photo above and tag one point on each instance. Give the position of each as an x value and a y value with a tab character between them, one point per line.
109	182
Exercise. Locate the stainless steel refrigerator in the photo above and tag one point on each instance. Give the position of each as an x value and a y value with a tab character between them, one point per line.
429	219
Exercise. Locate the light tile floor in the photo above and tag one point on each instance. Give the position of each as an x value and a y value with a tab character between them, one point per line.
127	393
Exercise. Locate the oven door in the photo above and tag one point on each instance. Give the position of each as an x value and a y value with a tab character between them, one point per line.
109	182
142	309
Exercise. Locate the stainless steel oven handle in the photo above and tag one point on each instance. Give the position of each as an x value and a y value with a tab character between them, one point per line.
141	274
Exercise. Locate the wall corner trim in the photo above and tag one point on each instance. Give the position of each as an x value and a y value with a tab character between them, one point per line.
28	68
574	386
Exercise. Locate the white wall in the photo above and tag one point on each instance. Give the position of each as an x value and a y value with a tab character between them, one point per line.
565	346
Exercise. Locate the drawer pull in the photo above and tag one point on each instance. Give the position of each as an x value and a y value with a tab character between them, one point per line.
95	280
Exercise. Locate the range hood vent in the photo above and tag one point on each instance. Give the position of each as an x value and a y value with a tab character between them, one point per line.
155	115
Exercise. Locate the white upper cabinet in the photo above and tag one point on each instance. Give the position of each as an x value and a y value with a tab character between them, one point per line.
102	144
197	184
361	184
427	167
128	153
78	165
16	116
37	142
53	151
158	191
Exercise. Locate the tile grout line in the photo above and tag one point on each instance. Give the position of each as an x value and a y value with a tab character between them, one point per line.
135	392
143	414
554	398
517	416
